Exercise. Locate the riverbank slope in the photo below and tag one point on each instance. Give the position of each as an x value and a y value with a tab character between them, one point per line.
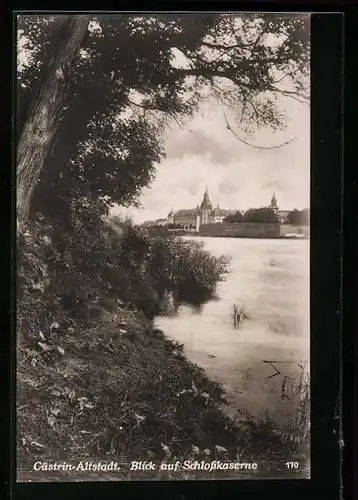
111	386
123	391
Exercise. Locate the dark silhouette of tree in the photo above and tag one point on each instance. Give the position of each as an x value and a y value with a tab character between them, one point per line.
237	217
261	215
299	217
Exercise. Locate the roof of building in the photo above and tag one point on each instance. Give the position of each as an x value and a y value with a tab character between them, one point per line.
219	212
192	212
225	211
205	205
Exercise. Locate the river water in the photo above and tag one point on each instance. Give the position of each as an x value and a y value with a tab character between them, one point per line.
271	279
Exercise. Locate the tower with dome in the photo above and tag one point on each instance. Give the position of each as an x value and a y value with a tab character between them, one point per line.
202	214
205	208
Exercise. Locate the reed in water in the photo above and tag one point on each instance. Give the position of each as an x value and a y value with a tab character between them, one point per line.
238	314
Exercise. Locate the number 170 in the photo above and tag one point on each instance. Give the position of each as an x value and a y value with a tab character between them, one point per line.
291	465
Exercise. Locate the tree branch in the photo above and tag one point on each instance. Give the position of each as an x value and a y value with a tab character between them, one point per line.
294	94
218	46
209	73
253	145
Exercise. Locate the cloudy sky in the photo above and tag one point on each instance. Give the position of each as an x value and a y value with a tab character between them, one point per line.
206	153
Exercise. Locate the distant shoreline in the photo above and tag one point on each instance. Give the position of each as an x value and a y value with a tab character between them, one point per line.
251	230
245	237
205	235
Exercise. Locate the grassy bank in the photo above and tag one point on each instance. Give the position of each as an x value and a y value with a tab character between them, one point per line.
124	392
109	386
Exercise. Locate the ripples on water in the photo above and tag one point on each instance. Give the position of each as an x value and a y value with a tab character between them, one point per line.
271	279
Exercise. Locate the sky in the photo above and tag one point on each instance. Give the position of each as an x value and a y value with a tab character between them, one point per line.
206	154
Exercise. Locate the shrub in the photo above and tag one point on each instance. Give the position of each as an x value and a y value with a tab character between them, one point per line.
185	268
68	272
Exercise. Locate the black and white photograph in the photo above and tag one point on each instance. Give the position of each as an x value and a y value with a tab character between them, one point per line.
163	246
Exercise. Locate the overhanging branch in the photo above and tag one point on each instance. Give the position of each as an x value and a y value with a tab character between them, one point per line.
254	145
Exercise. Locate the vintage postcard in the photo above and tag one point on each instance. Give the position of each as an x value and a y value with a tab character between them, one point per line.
163	217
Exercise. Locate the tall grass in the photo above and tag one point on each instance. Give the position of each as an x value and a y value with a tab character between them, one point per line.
297	432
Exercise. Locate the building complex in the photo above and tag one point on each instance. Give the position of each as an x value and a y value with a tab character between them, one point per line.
193	218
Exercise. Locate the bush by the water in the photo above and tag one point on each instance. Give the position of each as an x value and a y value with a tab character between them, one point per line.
80	274
171	264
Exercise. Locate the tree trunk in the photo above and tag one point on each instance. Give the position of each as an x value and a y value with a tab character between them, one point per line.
39	131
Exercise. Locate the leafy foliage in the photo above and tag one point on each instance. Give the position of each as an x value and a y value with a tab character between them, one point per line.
184	268
237	217
259	215
262	215
76	272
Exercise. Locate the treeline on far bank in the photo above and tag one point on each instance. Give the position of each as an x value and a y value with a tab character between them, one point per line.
268	216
